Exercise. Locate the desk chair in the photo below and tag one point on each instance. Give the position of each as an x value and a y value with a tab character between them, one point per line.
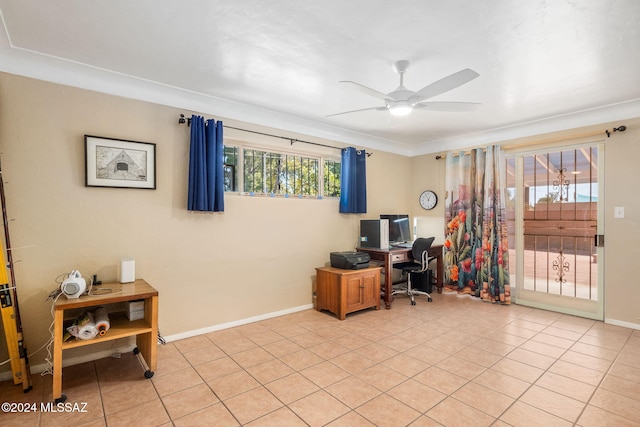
420	264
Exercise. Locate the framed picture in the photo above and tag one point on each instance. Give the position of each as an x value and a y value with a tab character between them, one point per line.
119	163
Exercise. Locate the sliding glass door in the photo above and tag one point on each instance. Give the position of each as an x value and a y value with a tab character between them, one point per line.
554	228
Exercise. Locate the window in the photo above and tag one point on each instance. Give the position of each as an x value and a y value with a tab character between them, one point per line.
331	178
230	168
277	173
258	171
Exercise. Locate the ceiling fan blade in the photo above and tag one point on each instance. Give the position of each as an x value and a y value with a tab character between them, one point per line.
446	84
448	106
368	90
355	111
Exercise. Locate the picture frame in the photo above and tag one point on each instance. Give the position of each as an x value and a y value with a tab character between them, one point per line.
119	163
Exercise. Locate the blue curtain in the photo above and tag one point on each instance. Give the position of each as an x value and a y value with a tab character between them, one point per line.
206	166
353	181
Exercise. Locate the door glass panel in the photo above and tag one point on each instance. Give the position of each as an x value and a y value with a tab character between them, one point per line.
559	223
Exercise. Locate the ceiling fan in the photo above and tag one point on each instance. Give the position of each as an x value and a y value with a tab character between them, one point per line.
402	101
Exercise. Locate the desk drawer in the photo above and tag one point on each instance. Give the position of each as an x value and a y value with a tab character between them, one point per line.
399	257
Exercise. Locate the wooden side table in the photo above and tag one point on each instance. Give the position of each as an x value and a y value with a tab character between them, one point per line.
145	330
344	291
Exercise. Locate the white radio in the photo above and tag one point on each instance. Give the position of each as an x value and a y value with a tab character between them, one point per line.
74	285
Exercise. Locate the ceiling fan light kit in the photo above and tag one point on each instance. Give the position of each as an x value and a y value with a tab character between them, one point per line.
399	108
403	101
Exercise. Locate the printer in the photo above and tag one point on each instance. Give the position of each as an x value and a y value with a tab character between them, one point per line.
350	260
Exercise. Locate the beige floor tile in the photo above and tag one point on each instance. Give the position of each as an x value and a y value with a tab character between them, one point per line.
622	386
351	419
566	386
553	403
269	371
203	355
542	348
301	359
579	373
217	368
478	356
130	394
532	358
592	350
189	400
191	344
278	418
319	408
251	357
328	350
280	348
453	413
292	387
596	417
627	372
381	377
176	381
236	345
252	405
461	367
587	361
491	402
522	415
553	340
148	414
441	380
416	395
427	354
385	410
353	362
324	374
502	383
352	391
377	352
617	404
233	384
406	365
204	417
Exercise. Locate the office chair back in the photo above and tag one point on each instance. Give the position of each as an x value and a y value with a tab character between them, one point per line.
420	247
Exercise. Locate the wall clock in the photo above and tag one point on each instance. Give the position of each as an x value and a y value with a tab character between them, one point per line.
428	200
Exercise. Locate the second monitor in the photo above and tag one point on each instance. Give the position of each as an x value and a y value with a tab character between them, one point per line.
399	229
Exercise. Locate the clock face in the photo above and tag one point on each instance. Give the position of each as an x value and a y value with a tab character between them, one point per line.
428	200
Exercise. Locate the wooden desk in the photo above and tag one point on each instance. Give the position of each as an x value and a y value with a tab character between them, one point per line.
398	255
145	330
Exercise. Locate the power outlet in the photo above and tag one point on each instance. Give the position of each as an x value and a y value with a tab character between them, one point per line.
618	212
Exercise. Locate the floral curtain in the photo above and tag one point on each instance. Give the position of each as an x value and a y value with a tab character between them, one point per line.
476	253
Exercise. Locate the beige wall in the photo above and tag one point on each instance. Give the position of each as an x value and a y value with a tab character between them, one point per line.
256	258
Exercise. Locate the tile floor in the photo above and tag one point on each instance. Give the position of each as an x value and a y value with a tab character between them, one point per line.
454	362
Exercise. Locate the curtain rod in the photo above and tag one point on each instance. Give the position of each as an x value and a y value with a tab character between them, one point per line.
187	120
607	132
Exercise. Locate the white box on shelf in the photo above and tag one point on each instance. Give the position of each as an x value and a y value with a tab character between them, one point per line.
135	310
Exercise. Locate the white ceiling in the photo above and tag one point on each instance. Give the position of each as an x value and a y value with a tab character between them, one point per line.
544	65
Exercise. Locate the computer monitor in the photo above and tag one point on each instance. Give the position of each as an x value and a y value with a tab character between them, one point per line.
399	228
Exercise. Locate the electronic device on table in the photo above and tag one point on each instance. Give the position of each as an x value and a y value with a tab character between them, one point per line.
74	285
399	230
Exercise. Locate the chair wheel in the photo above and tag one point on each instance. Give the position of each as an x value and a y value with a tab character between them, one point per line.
413	303
429	299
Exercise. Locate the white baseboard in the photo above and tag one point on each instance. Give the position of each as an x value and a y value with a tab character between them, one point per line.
621	323
196	332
